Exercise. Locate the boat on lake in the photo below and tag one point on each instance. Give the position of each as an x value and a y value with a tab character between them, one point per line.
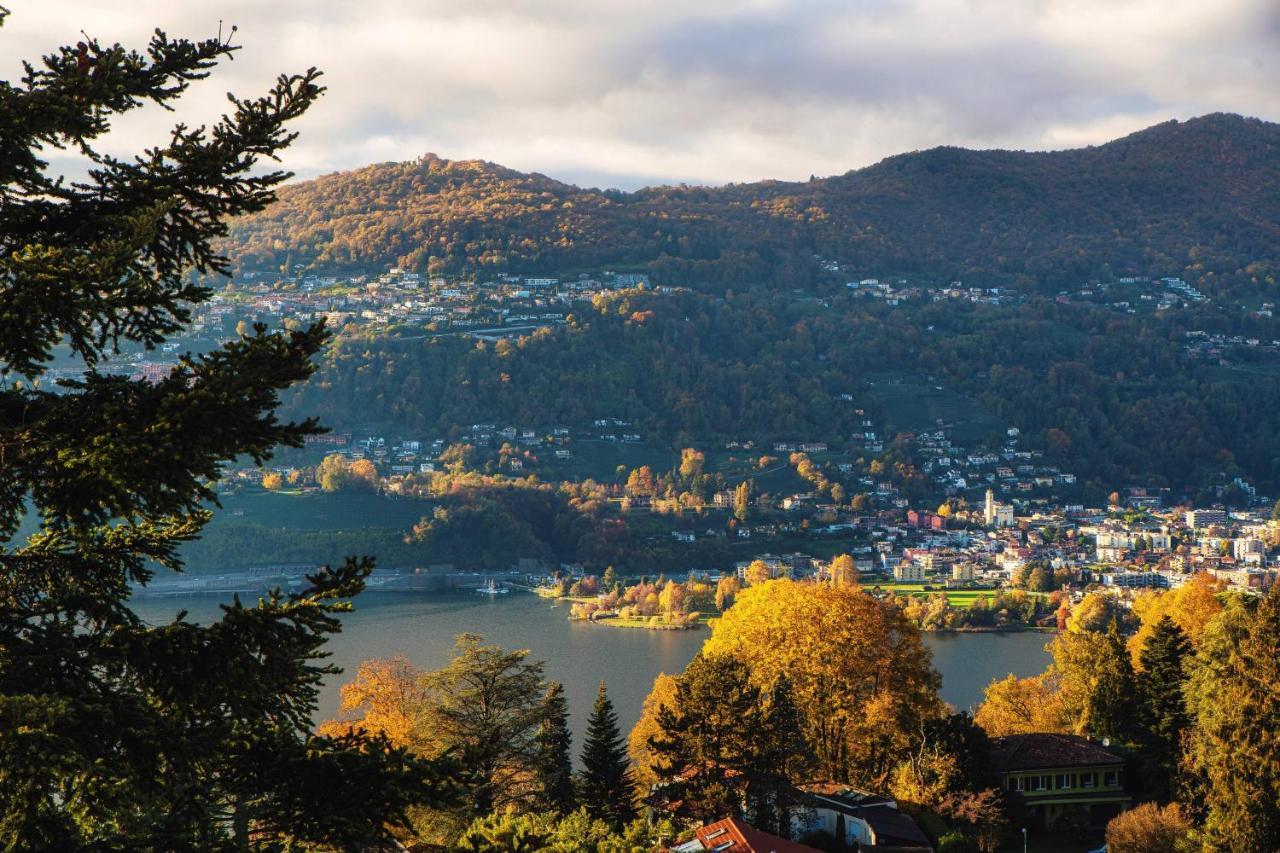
492	588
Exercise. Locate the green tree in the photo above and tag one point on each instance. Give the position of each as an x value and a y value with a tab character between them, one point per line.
114	733
487	704
555	764
332	472
1163	712
605	787
609	580
708	740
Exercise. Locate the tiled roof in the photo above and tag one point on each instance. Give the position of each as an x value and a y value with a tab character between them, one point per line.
1044	750
733	836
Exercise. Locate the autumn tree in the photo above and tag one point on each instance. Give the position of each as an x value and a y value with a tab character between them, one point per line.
362	475
1096	681
641	754
757	573
386	697
742	502
605	786
272	482
640	482
691	463
1015	706
115	733
1151	828
1234	746
1191	607
843	571
332	472
1094	613
861	675
727	589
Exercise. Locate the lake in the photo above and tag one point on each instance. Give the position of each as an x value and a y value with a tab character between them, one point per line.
579	654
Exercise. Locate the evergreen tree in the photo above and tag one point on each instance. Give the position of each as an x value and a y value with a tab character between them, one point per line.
554	762
707	744
115	734
1109	711
1163	711
782	758
605	787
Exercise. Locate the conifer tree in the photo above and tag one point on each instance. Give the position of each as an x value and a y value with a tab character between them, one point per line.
605	787
115	734
782	758
554	762
1163	711
706	748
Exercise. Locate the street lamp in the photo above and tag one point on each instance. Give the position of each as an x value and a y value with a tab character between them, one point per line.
1024	839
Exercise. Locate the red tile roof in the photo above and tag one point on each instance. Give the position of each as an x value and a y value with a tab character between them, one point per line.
733	836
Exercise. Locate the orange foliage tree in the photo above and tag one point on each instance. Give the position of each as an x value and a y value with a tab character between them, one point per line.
863	679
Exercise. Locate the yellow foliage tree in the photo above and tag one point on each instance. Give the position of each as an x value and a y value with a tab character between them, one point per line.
1017	706
757	573
863	679
272	481
642	757
1190	606
843	571
386	697
363	473
1094	613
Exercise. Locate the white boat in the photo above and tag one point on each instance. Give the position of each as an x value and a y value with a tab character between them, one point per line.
492	588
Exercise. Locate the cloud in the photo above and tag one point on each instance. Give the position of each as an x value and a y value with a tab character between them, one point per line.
626	93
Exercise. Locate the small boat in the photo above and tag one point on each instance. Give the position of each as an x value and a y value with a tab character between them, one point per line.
492	588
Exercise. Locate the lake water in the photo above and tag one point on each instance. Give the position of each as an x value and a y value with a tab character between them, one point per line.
579	654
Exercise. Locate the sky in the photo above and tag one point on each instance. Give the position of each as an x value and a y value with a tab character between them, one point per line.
627	93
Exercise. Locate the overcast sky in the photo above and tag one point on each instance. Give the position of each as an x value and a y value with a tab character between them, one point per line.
627	92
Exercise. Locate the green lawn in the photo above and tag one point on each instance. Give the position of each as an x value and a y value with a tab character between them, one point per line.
958	597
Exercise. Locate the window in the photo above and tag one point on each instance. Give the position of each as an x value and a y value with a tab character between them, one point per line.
1063	781
1088	780
1015	783
1111	778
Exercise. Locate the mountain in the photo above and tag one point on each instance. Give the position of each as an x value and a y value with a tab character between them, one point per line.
1199	198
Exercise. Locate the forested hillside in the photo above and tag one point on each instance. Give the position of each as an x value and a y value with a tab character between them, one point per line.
1199	198
1110	394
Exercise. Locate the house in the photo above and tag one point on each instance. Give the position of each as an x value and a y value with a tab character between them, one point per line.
1059	776
860	820
732	835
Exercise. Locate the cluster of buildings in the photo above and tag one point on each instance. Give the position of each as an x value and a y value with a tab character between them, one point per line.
503	306
1226	350
900	290
1060	780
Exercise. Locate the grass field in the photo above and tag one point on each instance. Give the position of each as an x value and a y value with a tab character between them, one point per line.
958	597
911	403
